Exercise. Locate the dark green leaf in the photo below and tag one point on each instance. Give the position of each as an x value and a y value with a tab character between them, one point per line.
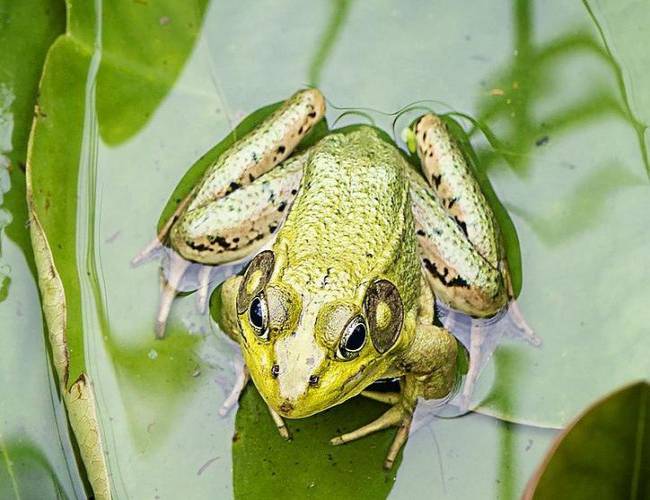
605	453
267	466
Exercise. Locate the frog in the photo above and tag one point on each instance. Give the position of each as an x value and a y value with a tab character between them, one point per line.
352	246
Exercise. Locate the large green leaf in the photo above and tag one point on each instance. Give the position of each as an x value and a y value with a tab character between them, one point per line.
36	455
603	454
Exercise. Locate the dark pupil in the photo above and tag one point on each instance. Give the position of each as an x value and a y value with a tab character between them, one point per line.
356	338
255	313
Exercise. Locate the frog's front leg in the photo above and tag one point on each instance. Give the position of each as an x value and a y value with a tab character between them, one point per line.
429	371
229	324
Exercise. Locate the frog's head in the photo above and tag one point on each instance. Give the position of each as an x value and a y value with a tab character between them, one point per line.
308	350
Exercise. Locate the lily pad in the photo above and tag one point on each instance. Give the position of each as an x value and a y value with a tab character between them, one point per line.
605	453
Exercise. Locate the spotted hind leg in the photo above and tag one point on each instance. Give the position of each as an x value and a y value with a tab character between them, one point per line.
460	243
240	201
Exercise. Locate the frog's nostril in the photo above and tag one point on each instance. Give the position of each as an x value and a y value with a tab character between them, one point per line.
275	370
313	380
286	407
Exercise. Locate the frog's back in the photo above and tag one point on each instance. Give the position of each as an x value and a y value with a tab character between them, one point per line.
351	218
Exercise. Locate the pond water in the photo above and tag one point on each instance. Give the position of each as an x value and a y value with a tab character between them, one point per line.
560	85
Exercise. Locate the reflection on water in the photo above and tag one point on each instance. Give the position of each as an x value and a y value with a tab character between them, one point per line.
530	76
328	39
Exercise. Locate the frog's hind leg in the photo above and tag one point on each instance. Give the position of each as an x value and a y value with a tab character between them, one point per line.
230	228
248	160
459	193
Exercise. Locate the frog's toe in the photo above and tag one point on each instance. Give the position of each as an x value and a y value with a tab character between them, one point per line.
400	438
523	330
170	286
390	398
392	417
231	400
279	423
204	288
476	360
147	253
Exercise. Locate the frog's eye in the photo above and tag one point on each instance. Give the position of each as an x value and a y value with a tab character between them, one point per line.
353	339
258	315
385	312
256	277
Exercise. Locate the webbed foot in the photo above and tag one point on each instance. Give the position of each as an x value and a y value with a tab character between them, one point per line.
169	289
523	330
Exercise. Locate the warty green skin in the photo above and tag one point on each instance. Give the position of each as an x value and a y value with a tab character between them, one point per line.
350	225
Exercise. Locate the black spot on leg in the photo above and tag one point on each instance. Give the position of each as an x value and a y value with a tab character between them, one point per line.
294	192
300	130
312	114
281	149
222	242
450	203
232	187
444	276
282	206
436	179
421	233
199	247
272	228
461	225
251	177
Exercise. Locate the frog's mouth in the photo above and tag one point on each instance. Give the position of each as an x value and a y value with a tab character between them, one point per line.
299	409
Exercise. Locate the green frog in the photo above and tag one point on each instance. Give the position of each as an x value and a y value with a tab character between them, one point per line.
352	246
